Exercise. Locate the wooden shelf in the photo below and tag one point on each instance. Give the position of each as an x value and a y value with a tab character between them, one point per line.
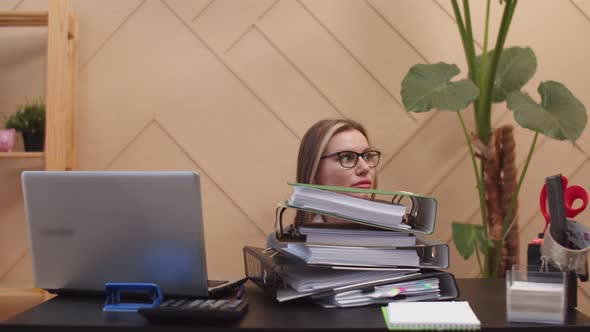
23	19
22	154
61	81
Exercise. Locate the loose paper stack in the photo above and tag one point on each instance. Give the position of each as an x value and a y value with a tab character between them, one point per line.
535	296
541	302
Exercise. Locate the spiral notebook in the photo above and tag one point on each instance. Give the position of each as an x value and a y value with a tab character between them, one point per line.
439	316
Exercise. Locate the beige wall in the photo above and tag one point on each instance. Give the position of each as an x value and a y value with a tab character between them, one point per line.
229	87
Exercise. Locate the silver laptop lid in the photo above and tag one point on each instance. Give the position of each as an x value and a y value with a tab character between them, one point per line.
89	228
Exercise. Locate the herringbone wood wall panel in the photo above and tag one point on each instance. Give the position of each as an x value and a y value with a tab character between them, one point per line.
229	87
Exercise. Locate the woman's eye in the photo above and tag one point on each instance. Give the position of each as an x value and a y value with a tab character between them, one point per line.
346	157
369	156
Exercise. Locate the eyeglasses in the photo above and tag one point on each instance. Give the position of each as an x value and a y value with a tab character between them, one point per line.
349	159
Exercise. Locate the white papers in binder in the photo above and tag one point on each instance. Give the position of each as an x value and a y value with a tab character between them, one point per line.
408	291
357	237
327	281
306	279
354	256
380	213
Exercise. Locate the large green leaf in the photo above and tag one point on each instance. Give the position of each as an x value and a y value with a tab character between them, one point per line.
428	86
560	115
466	236
516	67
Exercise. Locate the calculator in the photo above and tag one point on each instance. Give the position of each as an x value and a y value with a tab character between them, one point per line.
196	310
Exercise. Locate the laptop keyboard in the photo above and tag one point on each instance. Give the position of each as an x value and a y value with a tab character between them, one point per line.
213	283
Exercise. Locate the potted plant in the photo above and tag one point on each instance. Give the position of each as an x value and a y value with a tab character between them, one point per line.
495	76
29	119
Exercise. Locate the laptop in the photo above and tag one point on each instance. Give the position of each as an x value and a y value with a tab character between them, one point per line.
88	228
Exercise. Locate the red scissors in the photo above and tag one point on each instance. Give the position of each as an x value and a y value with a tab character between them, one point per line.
570	195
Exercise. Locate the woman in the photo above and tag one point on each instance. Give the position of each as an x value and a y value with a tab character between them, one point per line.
336	152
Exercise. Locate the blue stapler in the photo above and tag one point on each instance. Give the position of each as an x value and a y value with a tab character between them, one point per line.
113	292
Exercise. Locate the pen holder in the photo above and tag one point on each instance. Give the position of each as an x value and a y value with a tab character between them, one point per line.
533	296
568	259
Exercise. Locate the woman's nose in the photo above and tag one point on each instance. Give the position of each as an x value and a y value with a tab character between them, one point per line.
362	167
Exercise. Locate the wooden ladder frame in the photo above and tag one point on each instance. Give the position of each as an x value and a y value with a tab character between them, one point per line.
62	79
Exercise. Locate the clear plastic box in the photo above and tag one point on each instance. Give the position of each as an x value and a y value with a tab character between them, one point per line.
533	296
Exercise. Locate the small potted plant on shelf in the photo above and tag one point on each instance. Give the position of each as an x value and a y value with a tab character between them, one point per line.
29	119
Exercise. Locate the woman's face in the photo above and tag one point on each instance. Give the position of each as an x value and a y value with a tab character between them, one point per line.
331	173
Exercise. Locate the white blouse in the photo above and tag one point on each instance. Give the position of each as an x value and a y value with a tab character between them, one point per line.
318	218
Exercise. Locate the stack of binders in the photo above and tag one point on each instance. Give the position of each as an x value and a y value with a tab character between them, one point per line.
374	258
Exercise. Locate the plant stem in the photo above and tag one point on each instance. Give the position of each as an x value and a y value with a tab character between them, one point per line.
484	76
471	60
481	271
484	126
461	27
484	55
508	216
466	33
480	187
512	11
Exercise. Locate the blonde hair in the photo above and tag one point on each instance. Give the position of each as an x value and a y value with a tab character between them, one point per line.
312	147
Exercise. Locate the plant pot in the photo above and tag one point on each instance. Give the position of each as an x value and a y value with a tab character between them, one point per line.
34	141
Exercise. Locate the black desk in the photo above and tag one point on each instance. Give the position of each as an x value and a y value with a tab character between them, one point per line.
486	297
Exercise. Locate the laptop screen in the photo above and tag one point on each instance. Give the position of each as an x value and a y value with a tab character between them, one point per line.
91	227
